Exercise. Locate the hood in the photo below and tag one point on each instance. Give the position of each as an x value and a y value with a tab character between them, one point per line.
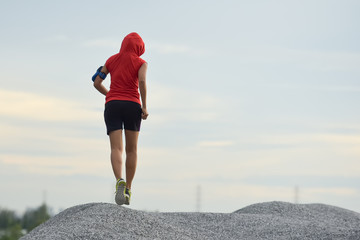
133	43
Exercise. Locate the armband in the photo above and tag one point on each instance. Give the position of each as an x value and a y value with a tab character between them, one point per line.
99	73
102	75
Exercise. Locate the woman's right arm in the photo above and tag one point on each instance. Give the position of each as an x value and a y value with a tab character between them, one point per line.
142	88
98	82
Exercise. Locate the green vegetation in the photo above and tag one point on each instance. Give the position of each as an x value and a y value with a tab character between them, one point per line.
12	227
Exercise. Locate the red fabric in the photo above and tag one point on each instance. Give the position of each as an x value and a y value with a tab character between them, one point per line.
124	67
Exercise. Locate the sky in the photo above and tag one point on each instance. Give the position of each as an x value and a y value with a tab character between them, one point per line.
248	101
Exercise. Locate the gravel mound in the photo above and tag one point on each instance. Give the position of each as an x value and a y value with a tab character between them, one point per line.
271	220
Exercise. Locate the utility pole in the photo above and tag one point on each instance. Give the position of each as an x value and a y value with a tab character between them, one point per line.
198	198
44	196
44	206
296	193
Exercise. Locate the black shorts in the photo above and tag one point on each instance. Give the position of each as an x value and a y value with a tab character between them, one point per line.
122	114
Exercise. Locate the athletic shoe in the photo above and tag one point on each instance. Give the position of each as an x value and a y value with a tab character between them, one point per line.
127	196
120	192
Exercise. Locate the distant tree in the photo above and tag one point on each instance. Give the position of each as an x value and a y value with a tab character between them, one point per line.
10	227
8	218
34	217
12	233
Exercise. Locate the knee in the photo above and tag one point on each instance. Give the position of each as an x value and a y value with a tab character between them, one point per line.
116	149
131	150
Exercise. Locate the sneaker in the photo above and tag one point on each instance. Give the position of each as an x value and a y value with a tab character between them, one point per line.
127	196
120	192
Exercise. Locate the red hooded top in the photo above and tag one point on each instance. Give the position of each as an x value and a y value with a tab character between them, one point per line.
124	67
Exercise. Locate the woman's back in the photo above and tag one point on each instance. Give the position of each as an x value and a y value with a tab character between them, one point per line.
124	67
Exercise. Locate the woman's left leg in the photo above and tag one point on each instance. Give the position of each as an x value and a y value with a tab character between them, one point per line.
116	144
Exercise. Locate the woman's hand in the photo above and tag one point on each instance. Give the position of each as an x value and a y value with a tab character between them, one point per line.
144	113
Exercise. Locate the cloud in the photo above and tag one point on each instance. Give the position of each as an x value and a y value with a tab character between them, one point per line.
103	43
331	191
172	48
56	153
51	164
309	59
215	143
48	135
311	154
184	105
58	38
49	148
25	105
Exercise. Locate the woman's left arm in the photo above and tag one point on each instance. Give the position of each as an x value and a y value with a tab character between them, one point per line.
98	82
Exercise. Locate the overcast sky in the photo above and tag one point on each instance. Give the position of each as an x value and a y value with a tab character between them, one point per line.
247	99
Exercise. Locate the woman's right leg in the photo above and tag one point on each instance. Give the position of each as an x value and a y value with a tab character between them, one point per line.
131	138
116	144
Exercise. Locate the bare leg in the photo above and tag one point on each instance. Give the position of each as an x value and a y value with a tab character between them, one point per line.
116	144
131	155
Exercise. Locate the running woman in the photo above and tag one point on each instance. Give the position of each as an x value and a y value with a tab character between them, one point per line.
123	108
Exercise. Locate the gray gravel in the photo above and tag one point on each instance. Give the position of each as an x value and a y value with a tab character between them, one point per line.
271	220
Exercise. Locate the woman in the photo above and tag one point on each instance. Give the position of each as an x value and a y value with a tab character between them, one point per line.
123	109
